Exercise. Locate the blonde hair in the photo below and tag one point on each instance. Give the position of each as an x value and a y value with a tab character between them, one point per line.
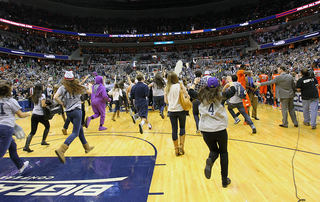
172	78
73	86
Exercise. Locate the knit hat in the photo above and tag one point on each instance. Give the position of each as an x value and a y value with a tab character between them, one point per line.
213	82
69	76
206	73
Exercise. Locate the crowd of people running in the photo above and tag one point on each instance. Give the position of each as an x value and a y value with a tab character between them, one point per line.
209	95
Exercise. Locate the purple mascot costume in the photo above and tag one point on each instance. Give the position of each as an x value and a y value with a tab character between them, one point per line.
98	102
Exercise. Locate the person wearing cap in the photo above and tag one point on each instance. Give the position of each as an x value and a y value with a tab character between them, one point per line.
213	124
72	91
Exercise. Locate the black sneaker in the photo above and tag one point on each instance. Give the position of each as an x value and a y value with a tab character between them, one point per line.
207	170
140	128
226	182
134	121
162	115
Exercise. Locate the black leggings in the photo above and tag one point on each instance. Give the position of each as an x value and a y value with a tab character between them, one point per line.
35	119
174	117
218	144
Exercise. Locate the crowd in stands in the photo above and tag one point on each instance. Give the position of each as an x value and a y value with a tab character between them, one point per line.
26	71
41	42
287	31
237	14
37	43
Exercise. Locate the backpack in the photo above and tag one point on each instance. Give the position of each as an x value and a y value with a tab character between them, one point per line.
241	92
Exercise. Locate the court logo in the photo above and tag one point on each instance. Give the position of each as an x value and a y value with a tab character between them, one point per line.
123	178
56	188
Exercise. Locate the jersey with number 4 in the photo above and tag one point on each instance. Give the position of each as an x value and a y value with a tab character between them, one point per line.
213	118
8	108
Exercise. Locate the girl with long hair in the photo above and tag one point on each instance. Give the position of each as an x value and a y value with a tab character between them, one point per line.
176	112
116	93
213	124
158	96
72	91
8	108
39	101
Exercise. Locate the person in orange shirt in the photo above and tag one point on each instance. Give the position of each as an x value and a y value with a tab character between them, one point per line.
242	79
275	74
263	89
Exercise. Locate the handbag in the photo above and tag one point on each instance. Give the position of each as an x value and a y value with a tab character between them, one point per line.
184	101
51	109
18	132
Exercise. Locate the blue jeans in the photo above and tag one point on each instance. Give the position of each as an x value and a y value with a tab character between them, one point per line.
313	105
75	117
195	110
66	124
7	142
159	100
241	109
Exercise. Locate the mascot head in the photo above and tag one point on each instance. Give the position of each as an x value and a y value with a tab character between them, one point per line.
99	79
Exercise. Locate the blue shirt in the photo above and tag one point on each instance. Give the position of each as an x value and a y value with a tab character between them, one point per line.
139	92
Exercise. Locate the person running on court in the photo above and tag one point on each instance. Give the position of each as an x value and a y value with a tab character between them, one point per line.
72	91
39	100
158	96
139	94
8	108
213	124
98	102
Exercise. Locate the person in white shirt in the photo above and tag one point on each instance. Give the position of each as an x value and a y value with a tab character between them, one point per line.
158	96
39	100
116	93
176	112
8	108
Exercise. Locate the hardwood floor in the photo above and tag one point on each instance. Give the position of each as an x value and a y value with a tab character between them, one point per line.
259	164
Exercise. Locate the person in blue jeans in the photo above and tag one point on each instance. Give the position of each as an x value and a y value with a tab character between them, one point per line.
158	95
8	108
236	102
72	103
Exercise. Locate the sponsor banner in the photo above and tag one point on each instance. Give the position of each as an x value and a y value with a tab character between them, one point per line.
80	179
32	54
291	40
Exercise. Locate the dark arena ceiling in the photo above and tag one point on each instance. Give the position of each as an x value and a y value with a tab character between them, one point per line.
134	4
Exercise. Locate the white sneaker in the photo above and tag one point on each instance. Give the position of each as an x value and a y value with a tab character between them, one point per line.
237	121
25	165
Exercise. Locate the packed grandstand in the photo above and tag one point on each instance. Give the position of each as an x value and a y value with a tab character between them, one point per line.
37	44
